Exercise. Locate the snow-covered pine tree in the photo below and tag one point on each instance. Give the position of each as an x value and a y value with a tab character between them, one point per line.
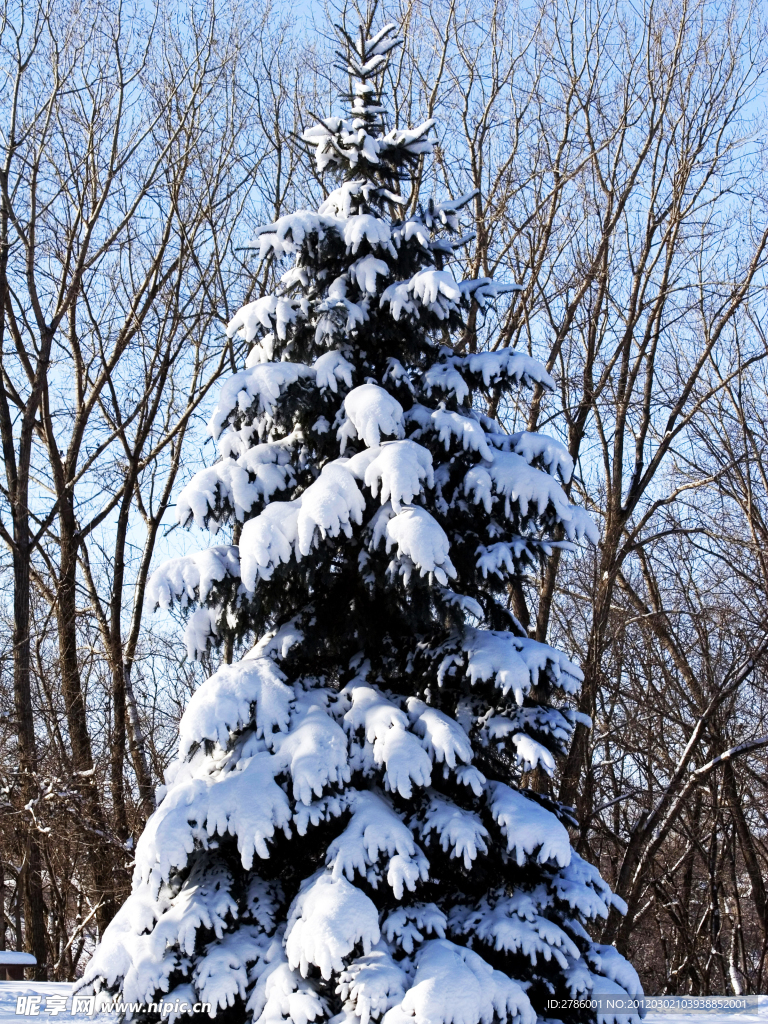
345	833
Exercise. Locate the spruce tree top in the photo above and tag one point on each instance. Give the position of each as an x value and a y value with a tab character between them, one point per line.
346	832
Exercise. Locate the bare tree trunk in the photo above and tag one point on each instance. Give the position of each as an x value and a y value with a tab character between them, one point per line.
748	847
119	697
106	871
34	911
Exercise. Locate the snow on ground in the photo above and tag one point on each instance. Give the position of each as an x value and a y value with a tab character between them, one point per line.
11	990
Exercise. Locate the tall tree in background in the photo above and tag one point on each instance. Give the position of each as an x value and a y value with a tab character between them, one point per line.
128	152
620	161
349	825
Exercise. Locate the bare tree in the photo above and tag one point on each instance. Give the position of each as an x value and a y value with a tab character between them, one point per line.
131	152
618	164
